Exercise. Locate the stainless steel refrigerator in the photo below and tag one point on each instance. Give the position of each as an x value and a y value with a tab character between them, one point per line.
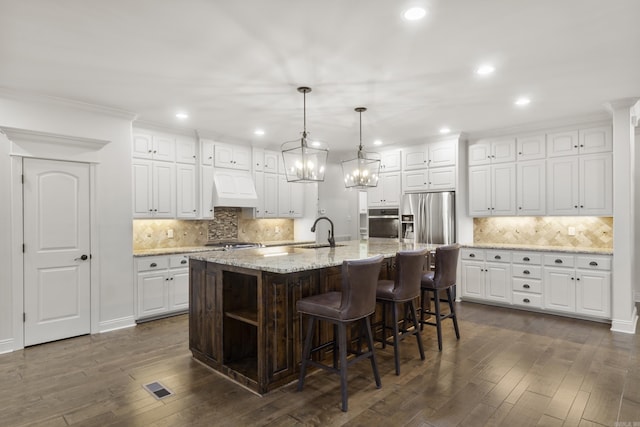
429	217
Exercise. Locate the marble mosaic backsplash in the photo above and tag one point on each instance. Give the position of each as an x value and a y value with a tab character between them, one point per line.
227	224
590	232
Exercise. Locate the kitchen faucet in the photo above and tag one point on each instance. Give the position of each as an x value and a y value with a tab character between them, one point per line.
332	241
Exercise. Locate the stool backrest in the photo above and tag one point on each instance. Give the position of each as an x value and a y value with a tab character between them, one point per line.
359	283
409	270
446	266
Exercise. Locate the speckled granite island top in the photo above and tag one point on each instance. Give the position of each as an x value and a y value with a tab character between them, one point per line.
194	249
511	246
291	259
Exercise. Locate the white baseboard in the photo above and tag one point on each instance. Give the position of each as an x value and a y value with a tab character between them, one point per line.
7	346
626	326
115	324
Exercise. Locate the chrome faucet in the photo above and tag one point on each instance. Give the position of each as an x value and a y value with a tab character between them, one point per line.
332	241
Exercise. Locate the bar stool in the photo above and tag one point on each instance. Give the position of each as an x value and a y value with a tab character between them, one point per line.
443	278
356	302
404	289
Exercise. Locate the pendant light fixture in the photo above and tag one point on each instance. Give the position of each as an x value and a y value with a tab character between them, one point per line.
301	162
361	172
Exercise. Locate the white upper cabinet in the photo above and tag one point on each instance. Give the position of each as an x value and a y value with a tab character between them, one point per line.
390	161
431	179
562	186
186	150
257	158
415	157
387	192
206	152
154	189
232	157
531	178
431	155
562	143
272	161
484	152
153	147
206	191
492	190
187	191
597	139
531	147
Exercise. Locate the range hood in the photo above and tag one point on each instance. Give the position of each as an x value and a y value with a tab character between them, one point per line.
234	188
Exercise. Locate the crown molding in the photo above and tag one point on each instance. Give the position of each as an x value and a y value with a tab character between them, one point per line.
19	135
162	127
621	103
573	121
64	102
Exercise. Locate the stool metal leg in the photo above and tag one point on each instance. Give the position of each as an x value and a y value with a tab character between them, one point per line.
452	308
374	362
436	301
306	352
416	331
396	338
342	344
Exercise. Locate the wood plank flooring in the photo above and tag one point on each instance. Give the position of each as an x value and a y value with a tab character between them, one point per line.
510	368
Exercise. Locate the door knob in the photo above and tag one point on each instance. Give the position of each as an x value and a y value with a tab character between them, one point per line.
82	257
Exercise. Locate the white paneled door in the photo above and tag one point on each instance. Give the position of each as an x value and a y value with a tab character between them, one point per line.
57	261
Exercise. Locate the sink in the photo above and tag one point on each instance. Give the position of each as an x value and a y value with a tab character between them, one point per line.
315	246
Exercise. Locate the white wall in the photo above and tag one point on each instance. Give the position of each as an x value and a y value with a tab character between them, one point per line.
113	198
338	203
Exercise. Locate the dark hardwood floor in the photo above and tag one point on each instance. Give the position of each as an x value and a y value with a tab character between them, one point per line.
510	368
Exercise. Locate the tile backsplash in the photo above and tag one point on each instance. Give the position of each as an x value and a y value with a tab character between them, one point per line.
590	232
228	224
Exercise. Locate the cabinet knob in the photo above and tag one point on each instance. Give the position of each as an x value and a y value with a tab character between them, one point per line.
593	264
526	286
577	278
526	300
472	255
582	206
526	258
153	264
184	261
558	261
575	146
497	257
572	278
581	145
526	272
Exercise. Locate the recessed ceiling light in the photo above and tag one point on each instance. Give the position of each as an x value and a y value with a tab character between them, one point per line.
377	142
486	69
316	143
258	132
445	130
522	101
182	115
414	13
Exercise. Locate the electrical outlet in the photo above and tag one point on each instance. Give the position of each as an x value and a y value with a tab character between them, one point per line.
170	233
571	231
277	229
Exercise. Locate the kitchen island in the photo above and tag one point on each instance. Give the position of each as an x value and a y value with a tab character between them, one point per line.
242	310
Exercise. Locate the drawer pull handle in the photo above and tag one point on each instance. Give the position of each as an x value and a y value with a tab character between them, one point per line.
184	261
526	272
153	264
593	264
497	257
558	261
526	300
526	286
472	255
526	258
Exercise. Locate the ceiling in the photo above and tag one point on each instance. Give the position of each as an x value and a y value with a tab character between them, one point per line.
234	66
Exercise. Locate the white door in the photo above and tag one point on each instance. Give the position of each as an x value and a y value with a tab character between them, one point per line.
57	267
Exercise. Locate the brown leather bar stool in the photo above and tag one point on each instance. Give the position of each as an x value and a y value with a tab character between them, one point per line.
356	302
443	278
404	289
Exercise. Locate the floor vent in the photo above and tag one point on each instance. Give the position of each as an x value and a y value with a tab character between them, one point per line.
158	390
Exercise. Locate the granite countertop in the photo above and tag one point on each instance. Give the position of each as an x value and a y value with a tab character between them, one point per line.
538	248
196	249
290	259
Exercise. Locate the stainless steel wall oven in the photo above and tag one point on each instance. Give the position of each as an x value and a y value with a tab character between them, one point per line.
384	222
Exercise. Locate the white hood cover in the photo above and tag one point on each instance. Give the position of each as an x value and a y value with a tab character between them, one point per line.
234	189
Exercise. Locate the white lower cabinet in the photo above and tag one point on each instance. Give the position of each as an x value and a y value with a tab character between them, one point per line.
162	285
570	284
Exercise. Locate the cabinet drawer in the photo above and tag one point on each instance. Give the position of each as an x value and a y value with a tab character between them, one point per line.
176	261
559	260
472	254
527	300
152	263
498	256
594	262
527	285
527	258
527	271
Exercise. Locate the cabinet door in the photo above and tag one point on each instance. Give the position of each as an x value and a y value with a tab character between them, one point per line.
559	289
593	293
479	153
415	157
442	178
271	195
242	158
596	140
187	191
206	152
562	186
205	311
153	296
531	147
223	156
391	190
531	178
562	144
596	184
415	180
179	289
297	199
480	191
257	157
142	146
374	194
497	286
142	188
258	177
390	161
473	278
164	148
185	150
164	190
503	188
206	191
284	197
442	154
503	150
271	161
